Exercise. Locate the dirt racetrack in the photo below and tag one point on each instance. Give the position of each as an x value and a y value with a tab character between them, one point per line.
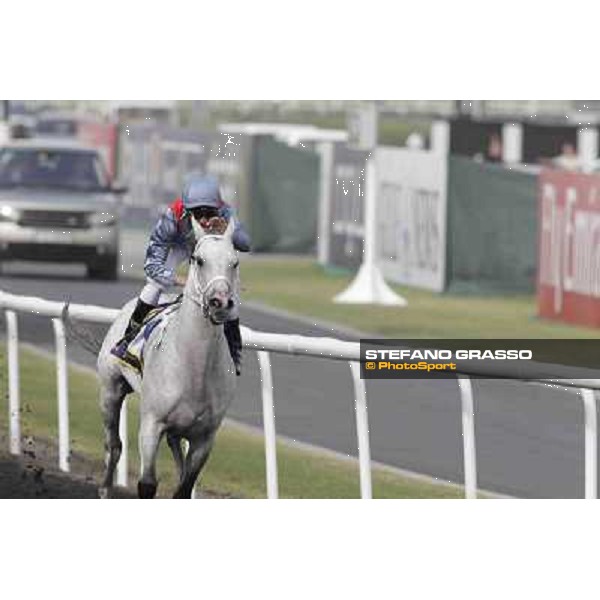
20	480
35	474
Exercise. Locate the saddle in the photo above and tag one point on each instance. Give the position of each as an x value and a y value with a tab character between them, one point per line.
157	318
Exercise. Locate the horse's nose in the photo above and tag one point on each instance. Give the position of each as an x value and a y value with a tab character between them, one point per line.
215	302
230	303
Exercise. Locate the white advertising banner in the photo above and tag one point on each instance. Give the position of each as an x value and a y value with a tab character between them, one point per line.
411	213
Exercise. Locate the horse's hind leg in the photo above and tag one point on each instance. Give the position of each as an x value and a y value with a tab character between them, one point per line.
150	435
174	443
195	459
112	394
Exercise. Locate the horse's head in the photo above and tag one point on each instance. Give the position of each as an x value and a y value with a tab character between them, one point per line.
212	277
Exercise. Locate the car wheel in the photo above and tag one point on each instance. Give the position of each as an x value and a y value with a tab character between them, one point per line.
105	269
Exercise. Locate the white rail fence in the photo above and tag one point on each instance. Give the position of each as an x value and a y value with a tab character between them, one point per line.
264	343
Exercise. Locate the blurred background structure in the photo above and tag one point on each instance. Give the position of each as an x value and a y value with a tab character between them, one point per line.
457	181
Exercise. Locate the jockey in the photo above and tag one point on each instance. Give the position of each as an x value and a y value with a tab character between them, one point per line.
172	241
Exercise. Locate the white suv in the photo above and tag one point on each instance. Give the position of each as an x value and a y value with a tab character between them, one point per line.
57	204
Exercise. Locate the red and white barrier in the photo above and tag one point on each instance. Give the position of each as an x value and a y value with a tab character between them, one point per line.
569	247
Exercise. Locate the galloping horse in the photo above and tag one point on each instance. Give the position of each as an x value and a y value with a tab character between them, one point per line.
188	378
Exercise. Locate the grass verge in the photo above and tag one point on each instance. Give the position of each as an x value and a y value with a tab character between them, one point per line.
301	286
236	467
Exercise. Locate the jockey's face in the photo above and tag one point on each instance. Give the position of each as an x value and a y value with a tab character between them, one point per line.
203	214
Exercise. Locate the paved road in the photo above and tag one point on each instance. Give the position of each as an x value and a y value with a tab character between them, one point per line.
530	439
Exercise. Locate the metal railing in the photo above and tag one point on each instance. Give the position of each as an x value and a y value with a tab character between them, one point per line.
264	343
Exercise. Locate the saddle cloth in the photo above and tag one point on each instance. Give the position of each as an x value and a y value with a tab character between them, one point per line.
157	319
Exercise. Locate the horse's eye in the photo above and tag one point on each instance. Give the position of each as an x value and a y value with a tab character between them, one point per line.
199	261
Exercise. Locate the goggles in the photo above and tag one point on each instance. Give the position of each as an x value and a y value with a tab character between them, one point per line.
204	212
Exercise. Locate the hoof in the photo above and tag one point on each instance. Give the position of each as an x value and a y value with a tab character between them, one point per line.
104	493
181	495
185	493
146	490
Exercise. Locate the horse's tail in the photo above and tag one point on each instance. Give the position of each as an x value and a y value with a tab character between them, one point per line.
80	333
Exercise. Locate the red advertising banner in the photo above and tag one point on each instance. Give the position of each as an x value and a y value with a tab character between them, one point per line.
569	247
103	137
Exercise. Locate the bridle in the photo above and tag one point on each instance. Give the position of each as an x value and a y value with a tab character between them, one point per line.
199	295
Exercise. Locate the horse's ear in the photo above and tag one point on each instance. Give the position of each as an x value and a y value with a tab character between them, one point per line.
230	229
198	231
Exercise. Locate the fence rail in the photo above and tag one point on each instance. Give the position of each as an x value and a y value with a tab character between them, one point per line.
263	343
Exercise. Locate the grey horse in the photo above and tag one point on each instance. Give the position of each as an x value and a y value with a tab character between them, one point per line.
188	378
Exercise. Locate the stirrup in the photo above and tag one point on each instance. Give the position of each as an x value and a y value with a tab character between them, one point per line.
120	348
131	332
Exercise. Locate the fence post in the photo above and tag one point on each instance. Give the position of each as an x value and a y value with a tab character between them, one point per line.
122	464
264	362
62	387
325	150
14	403
591	443
362	432
468	434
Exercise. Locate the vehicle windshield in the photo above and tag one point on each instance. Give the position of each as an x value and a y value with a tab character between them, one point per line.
56	127
65	169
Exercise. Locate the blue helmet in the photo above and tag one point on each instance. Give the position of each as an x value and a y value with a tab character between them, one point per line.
201	190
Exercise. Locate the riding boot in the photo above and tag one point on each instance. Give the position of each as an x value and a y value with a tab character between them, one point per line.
234	340
133	327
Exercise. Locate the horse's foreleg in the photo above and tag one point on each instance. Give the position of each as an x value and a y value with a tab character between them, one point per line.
177	452
149	439
111	400
196	458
